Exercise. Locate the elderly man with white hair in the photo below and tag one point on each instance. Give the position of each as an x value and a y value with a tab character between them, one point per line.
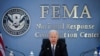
53	46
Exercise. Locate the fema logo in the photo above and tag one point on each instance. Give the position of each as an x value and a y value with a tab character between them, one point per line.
16	22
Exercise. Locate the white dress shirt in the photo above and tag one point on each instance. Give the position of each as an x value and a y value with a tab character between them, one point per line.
53	45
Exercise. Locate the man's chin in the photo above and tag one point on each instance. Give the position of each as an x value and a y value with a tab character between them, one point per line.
54	43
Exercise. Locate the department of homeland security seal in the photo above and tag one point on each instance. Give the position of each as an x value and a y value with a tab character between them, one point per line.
16	21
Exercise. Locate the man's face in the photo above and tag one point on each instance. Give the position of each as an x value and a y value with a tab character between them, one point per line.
53	37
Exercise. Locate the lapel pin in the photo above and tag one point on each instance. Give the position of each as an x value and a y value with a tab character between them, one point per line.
47	48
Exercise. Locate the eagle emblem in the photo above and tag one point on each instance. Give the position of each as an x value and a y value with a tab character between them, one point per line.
16	21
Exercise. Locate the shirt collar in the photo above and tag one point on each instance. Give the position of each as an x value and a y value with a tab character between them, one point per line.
53	45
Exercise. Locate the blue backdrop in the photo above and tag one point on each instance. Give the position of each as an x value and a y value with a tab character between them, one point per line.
28	41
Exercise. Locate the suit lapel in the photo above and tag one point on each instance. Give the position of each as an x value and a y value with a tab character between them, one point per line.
57	49
49	50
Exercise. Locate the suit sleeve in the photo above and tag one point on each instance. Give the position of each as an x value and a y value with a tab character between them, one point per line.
42	52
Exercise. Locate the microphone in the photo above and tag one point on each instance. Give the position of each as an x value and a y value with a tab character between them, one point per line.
15	50
83	53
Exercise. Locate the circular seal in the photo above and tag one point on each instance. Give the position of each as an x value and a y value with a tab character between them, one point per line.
16	21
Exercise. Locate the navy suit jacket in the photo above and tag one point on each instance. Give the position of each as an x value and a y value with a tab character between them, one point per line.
60	50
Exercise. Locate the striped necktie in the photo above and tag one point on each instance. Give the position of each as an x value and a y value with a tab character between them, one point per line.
53	51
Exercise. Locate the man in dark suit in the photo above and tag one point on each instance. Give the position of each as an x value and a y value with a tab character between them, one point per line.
53	47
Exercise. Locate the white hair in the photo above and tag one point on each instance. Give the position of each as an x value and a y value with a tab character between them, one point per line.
53	31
